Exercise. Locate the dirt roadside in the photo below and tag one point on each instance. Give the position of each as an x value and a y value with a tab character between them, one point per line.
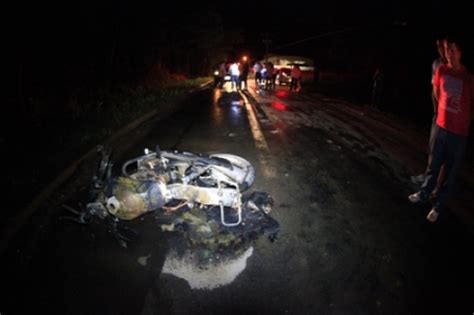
79	168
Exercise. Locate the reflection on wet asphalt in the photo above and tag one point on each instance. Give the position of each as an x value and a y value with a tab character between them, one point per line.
350	243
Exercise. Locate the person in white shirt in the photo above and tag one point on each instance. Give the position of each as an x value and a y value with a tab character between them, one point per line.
234	75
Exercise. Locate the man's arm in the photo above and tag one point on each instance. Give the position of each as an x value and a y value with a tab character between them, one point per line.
436	88
436	92
472	97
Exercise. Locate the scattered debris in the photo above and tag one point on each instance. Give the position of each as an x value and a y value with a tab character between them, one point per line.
143	260
196	195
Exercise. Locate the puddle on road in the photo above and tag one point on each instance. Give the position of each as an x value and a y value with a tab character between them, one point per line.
209	275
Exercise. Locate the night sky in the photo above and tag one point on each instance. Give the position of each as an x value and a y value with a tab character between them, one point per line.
45	28
66	45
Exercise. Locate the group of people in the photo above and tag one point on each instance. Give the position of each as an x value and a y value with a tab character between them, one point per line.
238	74
266	74
453	98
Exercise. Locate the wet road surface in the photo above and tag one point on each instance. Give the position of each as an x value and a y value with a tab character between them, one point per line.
350	242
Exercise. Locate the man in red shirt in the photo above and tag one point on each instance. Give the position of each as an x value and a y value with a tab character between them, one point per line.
295	78
453	87
441	60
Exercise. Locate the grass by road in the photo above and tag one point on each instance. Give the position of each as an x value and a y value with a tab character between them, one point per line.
45	147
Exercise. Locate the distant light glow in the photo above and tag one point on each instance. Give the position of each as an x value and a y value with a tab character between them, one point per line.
282	93
238	103
235	111
217	112
216	96
279	106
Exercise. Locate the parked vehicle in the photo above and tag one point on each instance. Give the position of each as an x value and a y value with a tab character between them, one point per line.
283	76
219	80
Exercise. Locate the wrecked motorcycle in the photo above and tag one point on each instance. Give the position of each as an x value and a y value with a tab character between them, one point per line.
200	195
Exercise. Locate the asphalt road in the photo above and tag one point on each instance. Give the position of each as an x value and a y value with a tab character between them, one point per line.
350	242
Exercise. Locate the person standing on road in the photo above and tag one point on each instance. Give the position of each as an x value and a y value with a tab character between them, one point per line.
317	77
377	87
234	76
269	69
257	68
295	78
244	73
222	73
441	60
454	90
